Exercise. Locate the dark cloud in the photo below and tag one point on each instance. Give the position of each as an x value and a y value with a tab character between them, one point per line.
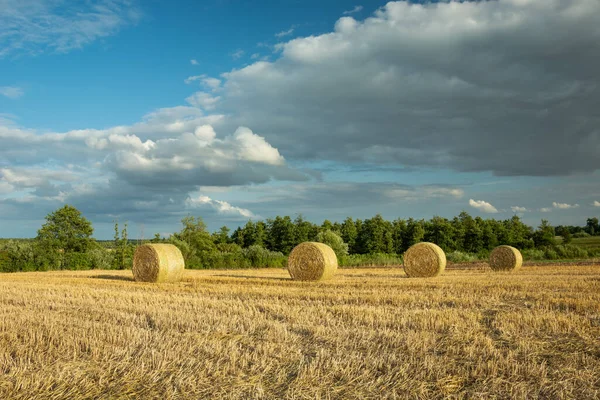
504	86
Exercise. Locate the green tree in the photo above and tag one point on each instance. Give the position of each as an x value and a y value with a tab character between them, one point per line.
334	241
440	231
123	254
67	229
414	233
304	230
591	226
349	233
544	236
194	241
222	236
281	234
376	236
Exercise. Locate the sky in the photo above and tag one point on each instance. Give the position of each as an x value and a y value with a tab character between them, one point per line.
146	112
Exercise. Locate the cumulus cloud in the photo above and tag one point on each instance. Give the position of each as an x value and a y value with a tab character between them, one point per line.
153	164
596	203
206	81
471	86
194	62
517	209
12	92
483	206
564	206
354	10
203	100
33	27
545	209
222	207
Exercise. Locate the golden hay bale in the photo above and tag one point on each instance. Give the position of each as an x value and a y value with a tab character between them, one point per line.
312	261
505	258
158	262
424	260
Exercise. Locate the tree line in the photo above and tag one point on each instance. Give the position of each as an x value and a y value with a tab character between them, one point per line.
65	241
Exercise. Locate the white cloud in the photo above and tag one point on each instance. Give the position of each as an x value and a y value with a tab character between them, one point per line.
207	81
564	206
12	92
203	100
285	33
517	209
239	53
194	62
422	192
251	147
255	56
546	209
354	10
160	160
483	206
596	203
222	207
33	27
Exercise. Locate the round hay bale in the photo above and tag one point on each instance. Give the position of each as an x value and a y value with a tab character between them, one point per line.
505	258
424	260
158	262
312	261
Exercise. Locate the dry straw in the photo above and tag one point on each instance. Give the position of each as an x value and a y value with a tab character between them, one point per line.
312	261
158	262
424	260
505	258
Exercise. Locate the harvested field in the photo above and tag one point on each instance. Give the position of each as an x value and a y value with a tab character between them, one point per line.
365	334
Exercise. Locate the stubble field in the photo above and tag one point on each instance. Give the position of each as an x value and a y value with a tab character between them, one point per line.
368	334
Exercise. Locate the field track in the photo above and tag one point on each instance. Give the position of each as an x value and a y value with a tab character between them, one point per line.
368	334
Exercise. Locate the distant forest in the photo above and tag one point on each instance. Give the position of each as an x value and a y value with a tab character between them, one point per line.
66	241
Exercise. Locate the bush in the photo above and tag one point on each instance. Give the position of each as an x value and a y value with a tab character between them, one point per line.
77	261
370	260
571	252
532	254
101	258
260	257
334	241
550	254
581	234
460	257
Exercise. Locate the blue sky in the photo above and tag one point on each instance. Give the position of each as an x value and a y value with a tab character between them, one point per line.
149	111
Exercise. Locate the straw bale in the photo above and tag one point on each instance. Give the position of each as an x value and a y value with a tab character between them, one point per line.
158	262
424	260
505	258
312	261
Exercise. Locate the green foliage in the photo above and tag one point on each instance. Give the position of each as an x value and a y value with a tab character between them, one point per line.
544	236
66	229
334	241
461	257
195	242
261	257
375	236
369	260
123	250
580	235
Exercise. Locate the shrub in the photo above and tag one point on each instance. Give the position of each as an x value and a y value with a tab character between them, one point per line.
581	234
334	241
533	254
370	260
461	257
